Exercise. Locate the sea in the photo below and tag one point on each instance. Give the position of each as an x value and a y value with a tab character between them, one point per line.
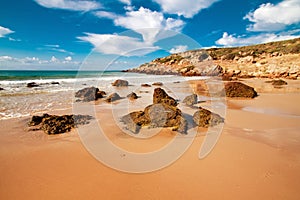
56	89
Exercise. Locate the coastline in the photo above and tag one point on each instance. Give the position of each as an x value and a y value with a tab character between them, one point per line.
257	156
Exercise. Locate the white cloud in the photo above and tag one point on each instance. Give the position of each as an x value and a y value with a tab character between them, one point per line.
69	58
148	23
105	14
127	2
232	40
270	17
5	31
187	8
81	5
118	45
54	59
6	58
179	49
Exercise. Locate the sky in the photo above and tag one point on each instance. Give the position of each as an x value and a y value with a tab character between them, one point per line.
119	34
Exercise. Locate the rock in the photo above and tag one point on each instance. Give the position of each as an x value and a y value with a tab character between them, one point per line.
1	88
90	94
53	124
54	83
134	121
190	100
113	97
132	96
155	116
158	84
145	85
205	118
277	82
32	84
120	83
237	89
160	96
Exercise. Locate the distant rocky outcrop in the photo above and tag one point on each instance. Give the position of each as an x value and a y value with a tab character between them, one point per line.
120	83
270	60
162	113
54	124
205	118
238	89
145	85
89	94
157	84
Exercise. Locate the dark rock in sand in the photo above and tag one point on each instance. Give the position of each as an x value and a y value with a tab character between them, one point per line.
237	89
158	84
1	88
53	124
205	118
160	96
55	83
90	94
32	84
145	85
279	82
190	100
132	96
113	97
120	83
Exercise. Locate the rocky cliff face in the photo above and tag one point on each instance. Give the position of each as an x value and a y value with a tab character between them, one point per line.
272	60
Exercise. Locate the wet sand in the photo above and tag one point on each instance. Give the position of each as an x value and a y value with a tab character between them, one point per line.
256	157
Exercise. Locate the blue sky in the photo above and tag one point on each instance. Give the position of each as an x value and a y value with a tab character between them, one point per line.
94	34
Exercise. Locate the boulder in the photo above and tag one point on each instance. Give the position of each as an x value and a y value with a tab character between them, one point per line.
158	84
279	82
1	88
120	83
132	96
237	89
155	116
32	84
190	100
205	118
53	124
90	94
113	97
160	96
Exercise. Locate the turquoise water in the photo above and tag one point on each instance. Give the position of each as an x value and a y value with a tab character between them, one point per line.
11	75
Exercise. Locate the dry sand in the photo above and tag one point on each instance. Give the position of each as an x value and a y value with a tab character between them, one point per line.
256	157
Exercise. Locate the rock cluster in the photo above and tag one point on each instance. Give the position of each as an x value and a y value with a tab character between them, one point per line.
238	89
54	124
90	94
162	113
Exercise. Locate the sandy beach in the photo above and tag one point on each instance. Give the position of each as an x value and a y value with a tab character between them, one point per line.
256	157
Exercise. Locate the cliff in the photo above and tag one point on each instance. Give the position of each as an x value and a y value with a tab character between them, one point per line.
272	60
